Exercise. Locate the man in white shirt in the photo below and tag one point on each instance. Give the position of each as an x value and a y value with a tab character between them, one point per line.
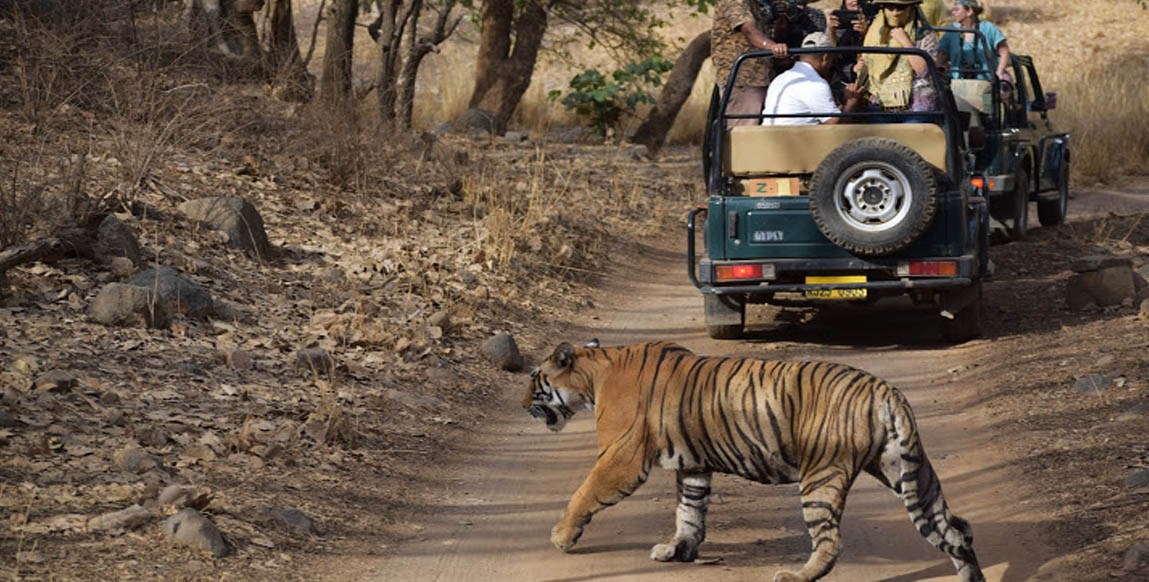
803	89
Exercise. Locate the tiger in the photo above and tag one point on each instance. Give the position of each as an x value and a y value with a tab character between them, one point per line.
818	424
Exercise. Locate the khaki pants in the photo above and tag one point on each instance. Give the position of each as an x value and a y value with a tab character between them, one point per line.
745	101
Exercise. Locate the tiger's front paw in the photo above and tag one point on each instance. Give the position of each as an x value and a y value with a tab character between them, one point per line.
678	550
564	537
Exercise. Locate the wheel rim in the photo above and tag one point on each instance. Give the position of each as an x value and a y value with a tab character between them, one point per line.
873	196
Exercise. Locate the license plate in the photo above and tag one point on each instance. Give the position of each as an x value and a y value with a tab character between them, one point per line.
835	293
772	187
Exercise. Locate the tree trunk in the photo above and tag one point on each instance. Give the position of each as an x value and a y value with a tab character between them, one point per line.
335	80
652	132
388	59
292	80
228	26
505	65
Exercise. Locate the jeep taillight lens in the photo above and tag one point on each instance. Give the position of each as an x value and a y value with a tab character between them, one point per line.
737	272
927	269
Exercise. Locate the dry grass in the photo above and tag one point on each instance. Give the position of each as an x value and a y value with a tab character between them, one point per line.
1096	59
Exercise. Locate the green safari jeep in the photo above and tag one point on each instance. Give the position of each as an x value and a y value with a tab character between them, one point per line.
1013	141
855	212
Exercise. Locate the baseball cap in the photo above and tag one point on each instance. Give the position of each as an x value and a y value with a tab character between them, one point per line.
816	39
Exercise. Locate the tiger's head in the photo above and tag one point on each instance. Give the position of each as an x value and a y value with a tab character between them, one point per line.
554	395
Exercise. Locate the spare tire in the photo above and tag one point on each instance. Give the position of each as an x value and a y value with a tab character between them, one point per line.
873	196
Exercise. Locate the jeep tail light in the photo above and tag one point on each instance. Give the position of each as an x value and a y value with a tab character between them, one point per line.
927	269
737	272
978	183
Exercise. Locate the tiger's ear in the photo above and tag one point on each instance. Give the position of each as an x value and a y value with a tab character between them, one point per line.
563	356
593	343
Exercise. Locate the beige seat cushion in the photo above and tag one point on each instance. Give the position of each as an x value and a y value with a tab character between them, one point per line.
798	149
973	95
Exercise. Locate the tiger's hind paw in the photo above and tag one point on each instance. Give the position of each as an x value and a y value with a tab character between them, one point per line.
564	538
676	550
783	576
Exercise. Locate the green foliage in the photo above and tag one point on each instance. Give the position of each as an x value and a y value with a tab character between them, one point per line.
606	100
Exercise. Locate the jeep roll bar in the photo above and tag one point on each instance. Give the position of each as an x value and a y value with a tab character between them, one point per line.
947	110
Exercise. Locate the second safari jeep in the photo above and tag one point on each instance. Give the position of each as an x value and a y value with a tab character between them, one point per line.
804	214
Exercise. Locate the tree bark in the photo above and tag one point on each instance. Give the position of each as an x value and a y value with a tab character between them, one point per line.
291	77
335	79
508	50
388	59
652	132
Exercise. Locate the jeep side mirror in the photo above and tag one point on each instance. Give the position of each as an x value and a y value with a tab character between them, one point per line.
1050	101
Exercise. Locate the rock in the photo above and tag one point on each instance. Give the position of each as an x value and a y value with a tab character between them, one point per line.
114	239
1098	262
57	380
315	361
122	267
1137	412
133	459
293	519
191	528
516	136
234	216
238	359
128	305
1144	309
1136	557
1105	287
566	135
479	120
1092	384
129	518
502	351
172	289
7	420
183	496
441	319
1138	479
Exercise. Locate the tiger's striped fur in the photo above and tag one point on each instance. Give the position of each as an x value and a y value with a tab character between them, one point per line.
815	423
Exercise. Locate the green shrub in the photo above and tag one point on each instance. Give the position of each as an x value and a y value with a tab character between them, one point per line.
604	101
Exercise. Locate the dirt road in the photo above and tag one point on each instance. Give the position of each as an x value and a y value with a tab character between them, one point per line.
495	523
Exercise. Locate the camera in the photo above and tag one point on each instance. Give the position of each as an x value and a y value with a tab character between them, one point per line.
846	18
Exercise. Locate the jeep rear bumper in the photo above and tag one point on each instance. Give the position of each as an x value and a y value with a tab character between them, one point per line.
779	274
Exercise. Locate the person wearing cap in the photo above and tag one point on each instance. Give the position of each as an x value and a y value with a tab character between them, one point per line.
967	55
803	89
735	31
900	82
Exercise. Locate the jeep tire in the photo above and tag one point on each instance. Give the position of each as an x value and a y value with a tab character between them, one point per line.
1019	222
873	196
1052	212
967	322
725	315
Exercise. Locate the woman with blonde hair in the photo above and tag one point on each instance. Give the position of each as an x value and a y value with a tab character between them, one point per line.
967	56
900	82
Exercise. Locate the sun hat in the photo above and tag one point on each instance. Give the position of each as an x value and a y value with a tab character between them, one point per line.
898	2
817	39
974	4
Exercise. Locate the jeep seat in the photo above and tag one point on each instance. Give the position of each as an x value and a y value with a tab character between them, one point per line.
973	95
798	149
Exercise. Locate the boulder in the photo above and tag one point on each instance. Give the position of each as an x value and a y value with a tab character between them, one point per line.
116	239
1092	384
128	518
1106	286
128	305
191	528
315	361
502	351
292	519
234	216
177	293
479	120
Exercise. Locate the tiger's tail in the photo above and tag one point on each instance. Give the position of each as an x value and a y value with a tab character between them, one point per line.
910	475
